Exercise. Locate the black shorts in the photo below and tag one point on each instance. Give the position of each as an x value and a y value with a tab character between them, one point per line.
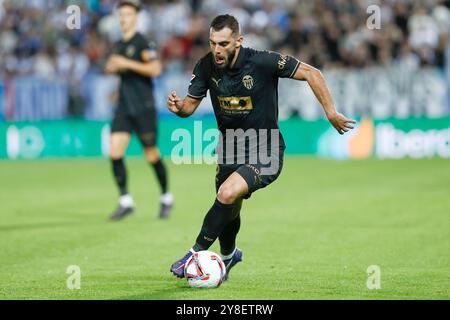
143	124
257	176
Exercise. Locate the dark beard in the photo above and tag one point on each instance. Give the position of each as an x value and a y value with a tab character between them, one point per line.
228	63
230	59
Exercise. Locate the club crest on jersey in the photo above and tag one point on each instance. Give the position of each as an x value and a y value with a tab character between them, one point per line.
130	51
247	81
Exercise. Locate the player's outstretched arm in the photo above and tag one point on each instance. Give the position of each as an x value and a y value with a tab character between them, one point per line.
316	81
182	107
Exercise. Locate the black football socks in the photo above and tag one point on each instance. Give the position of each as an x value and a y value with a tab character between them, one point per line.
120	175
161	174
227	238
217	218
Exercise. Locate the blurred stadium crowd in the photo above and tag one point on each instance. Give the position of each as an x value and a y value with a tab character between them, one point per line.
328	34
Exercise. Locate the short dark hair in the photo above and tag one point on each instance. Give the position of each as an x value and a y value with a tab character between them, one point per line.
132	3
225	21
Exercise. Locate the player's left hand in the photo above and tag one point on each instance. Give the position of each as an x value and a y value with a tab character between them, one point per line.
341	123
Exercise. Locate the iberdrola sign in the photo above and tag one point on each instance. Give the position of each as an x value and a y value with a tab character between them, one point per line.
417	143
390	139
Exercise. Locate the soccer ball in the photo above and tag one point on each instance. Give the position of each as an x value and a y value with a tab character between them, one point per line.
204	269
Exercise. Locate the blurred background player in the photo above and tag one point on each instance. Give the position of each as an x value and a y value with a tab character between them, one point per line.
136	63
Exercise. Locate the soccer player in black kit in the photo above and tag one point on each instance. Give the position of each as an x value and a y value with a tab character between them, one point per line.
135	61
243	87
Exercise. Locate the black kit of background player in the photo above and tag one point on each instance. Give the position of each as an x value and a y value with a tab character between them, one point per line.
136	62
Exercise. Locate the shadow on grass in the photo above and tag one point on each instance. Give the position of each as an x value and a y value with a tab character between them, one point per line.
39	225
176	290
170	293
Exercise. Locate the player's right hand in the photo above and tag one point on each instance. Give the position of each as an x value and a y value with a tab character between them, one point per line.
174	102
341	123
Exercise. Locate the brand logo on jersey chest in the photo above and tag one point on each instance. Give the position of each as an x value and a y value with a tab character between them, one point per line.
216	81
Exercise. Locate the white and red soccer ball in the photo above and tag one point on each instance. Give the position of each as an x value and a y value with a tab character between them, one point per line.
204	269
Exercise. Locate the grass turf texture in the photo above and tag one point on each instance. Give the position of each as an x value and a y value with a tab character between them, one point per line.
310	235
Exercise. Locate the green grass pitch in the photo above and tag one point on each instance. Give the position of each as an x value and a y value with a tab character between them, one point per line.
310	235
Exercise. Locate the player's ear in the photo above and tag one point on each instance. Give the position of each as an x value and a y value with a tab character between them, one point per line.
239	41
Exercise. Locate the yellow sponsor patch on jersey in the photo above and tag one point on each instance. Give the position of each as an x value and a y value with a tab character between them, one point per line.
235	103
